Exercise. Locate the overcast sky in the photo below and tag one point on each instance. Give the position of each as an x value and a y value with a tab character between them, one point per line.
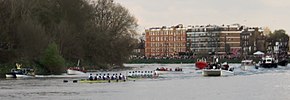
274	14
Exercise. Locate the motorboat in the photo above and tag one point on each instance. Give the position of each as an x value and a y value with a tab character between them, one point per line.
217	69
201	63
163	70
248	65
75	71
12	73
268	62
19	72
216	72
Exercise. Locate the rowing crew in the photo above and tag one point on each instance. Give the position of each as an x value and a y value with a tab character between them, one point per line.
107	77
142	74
168	69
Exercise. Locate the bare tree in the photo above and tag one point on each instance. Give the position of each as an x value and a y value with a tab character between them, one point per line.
113	29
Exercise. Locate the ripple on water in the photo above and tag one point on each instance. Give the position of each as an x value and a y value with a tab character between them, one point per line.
49	93
188	86
6	87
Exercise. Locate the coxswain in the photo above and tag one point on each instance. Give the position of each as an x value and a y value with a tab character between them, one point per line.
91	77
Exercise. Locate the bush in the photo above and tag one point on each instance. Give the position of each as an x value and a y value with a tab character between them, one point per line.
52	60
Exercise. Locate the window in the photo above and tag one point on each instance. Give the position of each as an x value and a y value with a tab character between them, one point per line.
170	38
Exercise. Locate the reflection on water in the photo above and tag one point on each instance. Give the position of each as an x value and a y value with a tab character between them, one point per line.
269	84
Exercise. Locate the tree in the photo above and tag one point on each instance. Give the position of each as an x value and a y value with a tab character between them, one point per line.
52	60
279	36
110	38
31	40
98	33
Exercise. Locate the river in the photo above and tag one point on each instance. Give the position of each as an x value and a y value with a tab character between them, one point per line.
265	84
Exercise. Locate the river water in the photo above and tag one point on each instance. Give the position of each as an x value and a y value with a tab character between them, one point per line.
264	84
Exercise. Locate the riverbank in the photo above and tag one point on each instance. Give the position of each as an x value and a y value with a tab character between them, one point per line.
175	61
4	70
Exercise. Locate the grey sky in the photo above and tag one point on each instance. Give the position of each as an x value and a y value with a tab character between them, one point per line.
274	14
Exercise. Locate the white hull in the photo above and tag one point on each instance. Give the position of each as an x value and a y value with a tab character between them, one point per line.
216	72
9	76
169	72
227	73
248	65
23	76
74	72
249	68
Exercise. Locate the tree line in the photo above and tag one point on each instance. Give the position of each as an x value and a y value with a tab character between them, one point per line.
54	34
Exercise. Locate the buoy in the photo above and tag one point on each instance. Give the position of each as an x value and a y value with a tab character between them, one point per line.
65	81
75	81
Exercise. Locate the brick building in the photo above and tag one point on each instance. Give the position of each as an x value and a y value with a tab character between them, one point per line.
165	41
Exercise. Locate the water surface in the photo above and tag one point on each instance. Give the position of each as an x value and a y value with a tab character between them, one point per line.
264	84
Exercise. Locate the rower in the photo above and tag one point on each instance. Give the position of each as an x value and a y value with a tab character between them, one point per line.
120	76
108	76
96	77
100	77
104	77
91	77
113	77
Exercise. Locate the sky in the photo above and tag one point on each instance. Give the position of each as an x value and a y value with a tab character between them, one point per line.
274	14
